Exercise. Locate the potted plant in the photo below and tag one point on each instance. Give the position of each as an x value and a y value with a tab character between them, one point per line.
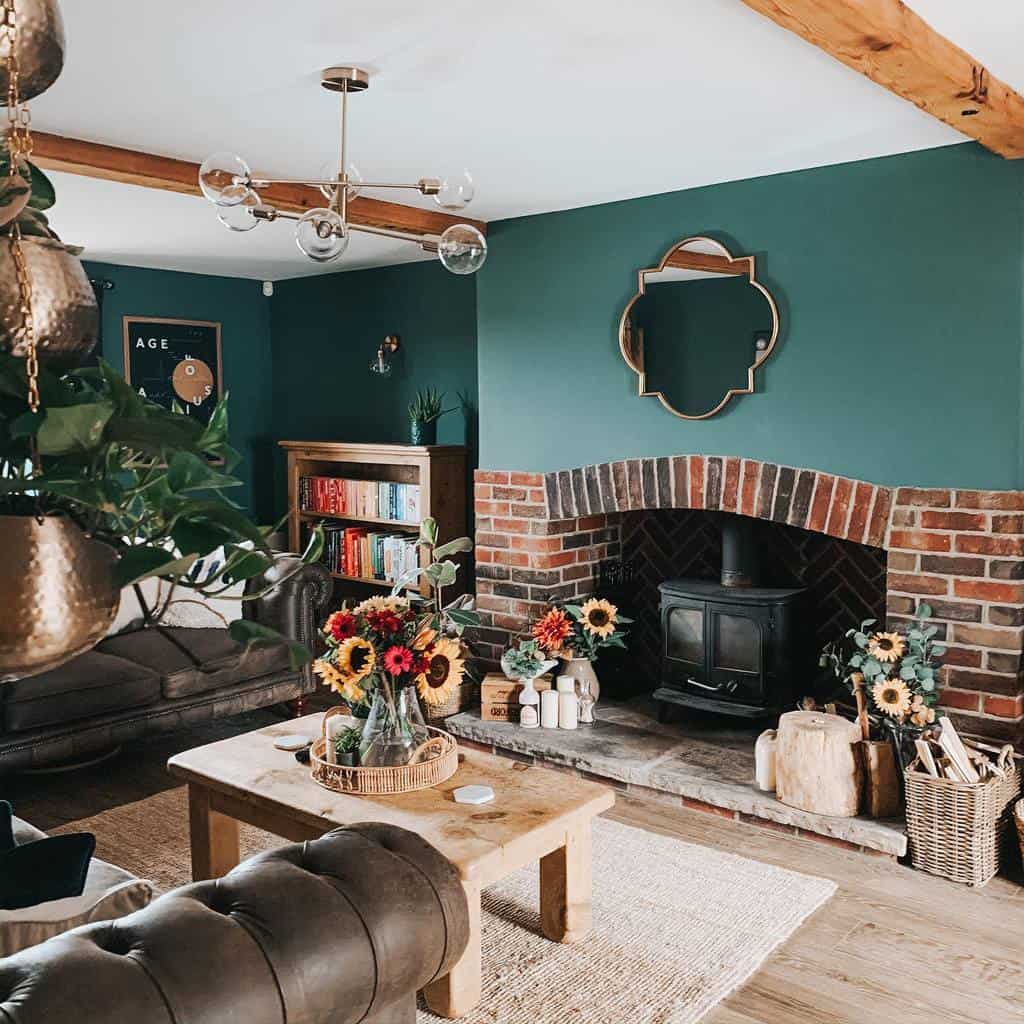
578	633
346	746
424	412
128	481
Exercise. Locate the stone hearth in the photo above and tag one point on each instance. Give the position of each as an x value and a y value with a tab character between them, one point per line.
542	537
699	764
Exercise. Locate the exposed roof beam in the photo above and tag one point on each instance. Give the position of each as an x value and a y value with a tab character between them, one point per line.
893	46
111	163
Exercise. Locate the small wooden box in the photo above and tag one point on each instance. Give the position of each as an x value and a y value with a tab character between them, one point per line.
499	697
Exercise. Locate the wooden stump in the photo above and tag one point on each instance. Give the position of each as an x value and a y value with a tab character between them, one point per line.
816	764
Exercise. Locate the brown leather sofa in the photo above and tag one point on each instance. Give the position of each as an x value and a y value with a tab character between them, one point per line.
339	930
158	680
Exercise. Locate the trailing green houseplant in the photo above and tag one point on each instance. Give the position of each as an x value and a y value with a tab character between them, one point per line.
138	478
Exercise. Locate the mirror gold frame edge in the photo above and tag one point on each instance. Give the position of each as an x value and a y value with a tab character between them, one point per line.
751	272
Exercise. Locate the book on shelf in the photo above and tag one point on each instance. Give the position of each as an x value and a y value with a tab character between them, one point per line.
369	554
360	499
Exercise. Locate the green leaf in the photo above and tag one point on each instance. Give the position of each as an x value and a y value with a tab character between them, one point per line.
247	566
199	538
27	424
462	617
442	574
938	650
250	633
924	611
142	561
188	472
872	667
907	673
453	547
154	435
73	428
928	685
315	546
428	531
43	194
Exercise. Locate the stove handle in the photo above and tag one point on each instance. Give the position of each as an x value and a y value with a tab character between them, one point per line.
730	687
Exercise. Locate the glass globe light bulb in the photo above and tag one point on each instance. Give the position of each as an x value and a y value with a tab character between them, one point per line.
456	191
321	235
240	216
355	180
224	179
462	249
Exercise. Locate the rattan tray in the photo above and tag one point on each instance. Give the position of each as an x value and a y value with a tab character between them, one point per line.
433	763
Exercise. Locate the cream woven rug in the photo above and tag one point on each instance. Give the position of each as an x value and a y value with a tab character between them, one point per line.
676	926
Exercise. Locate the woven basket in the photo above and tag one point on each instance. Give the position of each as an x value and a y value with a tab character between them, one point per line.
957	829
433	763
465	696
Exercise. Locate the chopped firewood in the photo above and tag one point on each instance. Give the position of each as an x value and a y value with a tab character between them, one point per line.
949	740
924	752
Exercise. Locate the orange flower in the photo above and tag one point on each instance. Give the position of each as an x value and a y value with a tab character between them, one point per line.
550	630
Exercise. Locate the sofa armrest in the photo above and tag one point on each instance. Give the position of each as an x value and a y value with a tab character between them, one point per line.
342	929
296	607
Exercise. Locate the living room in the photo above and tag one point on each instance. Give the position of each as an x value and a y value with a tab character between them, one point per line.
512	515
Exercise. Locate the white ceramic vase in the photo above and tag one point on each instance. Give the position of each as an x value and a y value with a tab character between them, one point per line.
583	669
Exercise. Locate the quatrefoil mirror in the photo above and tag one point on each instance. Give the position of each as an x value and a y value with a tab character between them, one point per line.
698	328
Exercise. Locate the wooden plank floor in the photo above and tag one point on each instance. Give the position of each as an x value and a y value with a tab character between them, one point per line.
892	945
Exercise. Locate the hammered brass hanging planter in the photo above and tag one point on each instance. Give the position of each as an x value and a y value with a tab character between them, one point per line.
64	310
59	596
40	48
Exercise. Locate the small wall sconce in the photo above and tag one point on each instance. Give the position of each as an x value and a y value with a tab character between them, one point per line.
382	364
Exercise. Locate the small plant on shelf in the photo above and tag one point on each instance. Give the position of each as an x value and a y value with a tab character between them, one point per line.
346	745
424	412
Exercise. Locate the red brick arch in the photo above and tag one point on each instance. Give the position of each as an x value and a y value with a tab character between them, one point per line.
541	536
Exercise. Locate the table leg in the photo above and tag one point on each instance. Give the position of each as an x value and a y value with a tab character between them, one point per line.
565	888
214	837
458	992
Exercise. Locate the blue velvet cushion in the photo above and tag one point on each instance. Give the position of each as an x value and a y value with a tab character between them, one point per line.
47	869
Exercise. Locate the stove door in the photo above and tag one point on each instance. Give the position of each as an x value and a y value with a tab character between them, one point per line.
737	645
684	636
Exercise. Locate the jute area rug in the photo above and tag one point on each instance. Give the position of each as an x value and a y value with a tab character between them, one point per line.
677	926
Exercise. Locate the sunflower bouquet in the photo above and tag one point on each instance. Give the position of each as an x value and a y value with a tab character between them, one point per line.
580	631
898	671
384	648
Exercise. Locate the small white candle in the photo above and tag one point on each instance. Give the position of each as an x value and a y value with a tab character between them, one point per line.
548	709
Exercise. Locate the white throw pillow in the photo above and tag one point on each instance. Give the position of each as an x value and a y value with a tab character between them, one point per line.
110	892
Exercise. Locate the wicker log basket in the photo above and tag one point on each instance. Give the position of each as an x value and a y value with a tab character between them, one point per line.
958	829
433	763
465	695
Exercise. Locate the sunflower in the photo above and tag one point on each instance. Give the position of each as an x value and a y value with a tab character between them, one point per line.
348	688
892	697
356	659
398	605
598	617
424	638
443	672
551	629
886	646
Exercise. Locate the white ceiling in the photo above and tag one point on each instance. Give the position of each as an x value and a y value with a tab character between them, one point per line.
550	103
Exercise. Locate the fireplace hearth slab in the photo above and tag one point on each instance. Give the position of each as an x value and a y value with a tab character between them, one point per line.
698	759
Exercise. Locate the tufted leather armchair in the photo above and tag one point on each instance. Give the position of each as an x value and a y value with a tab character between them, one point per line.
340	930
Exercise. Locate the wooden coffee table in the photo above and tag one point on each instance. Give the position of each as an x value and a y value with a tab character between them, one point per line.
537	815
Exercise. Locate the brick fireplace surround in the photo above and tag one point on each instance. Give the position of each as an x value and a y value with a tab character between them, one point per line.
540	538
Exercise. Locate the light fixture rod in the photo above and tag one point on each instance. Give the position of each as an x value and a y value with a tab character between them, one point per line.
404	236
261	183
341	190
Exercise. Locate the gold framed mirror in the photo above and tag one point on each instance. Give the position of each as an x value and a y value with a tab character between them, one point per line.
698	328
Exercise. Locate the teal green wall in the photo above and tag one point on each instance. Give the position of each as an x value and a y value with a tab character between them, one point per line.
700	338
899	282
243	312
326	331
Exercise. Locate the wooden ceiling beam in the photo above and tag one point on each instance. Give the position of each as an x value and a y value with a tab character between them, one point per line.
111	163
890	44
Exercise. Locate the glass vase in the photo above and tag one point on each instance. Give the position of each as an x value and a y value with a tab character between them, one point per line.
394	728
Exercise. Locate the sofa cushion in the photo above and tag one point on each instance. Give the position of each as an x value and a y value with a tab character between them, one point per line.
91	684
109	892
222	662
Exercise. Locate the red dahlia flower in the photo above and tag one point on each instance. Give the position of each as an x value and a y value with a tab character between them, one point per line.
341	625
398	659
384	621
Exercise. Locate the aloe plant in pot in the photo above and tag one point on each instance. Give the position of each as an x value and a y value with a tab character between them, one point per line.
424	412
130	488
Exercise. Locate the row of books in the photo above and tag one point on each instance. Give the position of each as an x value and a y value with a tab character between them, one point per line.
368	499
355	551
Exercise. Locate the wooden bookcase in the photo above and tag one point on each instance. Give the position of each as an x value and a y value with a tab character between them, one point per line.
439	470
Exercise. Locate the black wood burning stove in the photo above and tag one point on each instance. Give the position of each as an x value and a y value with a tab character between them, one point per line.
733	647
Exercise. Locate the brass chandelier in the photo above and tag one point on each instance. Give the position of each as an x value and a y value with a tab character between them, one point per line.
322	234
